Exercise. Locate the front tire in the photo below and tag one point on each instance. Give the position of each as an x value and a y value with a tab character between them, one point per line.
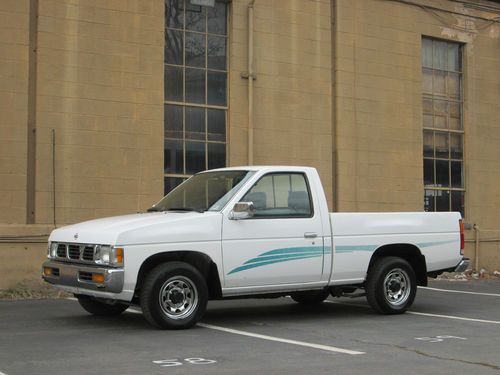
391	285
174	296
99	308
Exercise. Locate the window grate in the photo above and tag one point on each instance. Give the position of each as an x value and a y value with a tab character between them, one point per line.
195	121
443	130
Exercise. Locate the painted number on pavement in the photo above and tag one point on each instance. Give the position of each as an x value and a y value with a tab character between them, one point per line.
180	362
439	338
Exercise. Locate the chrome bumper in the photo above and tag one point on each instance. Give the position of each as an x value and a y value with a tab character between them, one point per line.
76	275
463	265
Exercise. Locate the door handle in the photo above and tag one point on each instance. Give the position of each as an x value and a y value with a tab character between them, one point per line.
310	235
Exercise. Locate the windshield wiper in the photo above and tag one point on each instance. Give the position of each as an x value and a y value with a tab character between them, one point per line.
186	209
154	209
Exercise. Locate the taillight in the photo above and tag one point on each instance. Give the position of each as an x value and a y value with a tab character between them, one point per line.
462	236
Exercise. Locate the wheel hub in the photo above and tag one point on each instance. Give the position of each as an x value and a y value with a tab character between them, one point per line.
178	297
394	286
397	286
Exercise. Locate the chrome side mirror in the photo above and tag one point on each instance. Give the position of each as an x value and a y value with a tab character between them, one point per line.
242	211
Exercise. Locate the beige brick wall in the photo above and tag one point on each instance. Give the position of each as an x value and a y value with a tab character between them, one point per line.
22	250
292	92
100	87
25	266
14	44
353	82
378	120
378	108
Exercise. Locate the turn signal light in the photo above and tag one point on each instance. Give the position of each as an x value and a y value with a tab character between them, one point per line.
119	255
97	278
47	271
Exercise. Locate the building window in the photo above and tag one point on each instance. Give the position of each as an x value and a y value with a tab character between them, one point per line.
195	89
443	126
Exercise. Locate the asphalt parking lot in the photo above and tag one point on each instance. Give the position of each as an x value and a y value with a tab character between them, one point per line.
452	328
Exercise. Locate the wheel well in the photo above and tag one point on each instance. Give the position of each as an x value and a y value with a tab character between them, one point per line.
202	262
410	253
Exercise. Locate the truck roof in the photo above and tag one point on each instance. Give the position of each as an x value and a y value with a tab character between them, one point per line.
288	168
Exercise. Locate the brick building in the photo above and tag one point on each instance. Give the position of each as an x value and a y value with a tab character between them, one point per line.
107	104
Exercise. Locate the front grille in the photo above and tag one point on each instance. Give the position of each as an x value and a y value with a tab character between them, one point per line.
88	253
85	276
74	251
61	250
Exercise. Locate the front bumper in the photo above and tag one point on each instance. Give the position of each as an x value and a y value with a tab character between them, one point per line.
79	276
463	265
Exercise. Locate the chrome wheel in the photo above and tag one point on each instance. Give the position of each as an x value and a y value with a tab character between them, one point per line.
397	287
178	297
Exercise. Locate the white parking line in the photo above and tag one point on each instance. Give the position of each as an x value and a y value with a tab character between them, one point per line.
424	314
2	373
454	317
459	291
271	338
278	339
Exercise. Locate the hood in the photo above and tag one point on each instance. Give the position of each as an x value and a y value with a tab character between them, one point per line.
144	228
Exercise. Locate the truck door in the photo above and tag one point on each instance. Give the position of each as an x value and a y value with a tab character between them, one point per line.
282	243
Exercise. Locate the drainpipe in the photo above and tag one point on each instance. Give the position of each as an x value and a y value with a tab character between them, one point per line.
250	82
53	138
334	76
476	238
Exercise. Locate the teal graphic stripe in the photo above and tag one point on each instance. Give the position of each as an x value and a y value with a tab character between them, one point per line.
253	265
349	249
287	250
430	244
294	253
282	255
262	258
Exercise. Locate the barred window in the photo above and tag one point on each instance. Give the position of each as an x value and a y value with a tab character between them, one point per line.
443	138
195	89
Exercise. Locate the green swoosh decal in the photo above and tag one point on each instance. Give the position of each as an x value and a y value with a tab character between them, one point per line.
348	249
429	244
282	255
294	253
287	250
262	258
253	265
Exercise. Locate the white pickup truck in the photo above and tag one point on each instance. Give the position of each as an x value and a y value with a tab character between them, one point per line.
249	232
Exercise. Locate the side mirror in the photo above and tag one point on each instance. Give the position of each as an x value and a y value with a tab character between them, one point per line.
242	210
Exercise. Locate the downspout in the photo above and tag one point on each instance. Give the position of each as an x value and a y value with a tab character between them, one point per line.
31	125
335	169
250	82
53	138
476	239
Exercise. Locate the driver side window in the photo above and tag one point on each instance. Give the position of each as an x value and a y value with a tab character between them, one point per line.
283	195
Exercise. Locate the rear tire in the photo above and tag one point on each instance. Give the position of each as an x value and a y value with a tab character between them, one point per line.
99	308
391	285
311	297
174	296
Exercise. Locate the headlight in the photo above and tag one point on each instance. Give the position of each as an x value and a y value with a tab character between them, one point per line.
108	255
52	250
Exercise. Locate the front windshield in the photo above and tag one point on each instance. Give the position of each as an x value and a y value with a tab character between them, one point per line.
209	191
